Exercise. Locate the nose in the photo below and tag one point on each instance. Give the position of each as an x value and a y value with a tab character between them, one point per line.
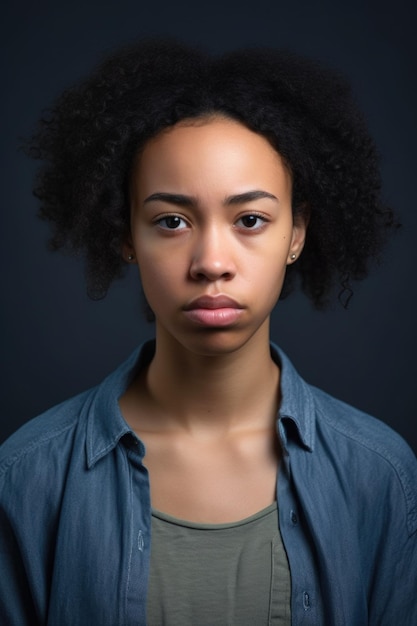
212	256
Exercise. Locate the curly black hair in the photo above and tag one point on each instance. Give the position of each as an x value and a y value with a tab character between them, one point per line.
88	141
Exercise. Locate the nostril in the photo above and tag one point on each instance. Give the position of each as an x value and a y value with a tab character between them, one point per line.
204	268
211	274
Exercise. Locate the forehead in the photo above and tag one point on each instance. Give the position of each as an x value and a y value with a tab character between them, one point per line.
213	152
214	133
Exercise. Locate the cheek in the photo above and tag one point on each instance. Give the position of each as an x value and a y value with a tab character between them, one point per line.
270	262
158	275
267	276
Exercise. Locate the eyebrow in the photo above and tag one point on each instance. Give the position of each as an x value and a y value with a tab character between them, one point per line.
249	196
171	198
182	200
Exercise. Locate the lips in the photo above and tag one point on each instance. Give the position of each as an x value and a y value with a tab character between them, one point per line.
213	302
213	311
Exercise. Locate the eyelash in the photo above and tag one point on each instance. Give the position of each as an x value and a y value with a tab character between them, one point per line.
258	216
159	221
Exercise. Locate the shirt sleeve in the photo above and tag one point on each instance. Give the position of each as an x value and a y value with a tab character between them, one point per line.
25	539
17	607
394	581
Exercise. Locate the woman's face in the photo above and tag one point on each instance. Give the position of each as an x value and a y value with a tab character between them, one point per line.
212	232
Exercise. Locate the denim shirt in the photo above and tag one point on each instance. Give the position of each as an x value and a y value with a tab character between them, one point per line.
75	512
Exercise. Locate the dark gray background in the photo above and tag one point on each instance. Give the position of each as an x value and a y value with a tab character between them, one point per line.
55	342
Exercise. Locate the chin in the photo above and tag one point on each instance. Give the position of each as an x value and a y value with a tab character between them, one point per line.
216	343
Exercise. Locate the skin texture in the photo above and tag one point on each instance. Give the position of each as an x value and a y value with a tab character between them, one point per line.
210	217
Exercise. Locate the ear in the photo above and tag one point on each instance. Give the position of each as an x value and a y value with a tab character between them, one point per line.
299	232
128	250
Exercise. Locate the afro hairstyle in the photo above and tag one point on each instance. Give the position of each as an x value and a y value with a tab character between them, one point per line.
89	138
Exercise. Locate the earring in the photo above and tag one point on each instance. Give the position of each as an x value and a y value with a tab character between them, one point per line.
293	256
130	257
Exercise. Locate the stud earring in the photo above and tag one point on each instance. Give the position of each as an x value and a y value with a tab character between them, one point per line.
130	257
293	256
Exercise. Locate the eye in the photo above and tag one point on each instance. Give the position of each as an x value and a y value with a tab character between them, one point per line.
252	221
171	222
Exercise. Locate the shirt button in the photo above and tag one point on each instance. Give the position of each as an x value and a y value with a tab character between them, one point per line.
141	541
294	518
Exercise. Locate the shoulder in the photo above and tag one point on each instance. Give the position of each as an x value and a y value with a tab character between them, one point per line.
354	454
50	429
368	448
361	429
90	423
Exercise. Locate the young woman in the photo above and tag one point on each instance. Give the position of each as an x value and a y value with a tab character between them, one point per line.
204	482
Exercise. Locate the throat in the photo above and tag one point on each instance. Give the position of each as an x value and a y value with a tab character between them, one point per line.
210	394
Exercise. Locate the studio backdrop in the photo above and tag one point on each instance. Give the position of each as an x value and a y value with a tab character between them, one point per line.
56	342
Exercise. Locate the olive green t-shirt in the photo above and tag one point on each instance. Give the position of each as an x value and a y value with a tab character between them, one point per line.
218	574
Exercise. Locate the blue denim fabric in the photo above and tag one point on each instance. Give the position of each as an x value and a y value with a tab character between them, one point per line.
75	513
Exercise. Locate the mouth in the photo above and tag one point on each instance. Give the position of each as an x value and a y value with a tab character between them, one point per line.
213	303
213	311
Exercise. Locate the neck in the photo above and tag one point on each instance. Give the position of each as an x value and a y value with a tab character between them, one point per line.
220	393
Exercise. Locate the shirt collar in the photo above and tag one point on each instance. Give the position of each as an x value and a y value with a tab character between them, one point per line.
106	425
297	404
